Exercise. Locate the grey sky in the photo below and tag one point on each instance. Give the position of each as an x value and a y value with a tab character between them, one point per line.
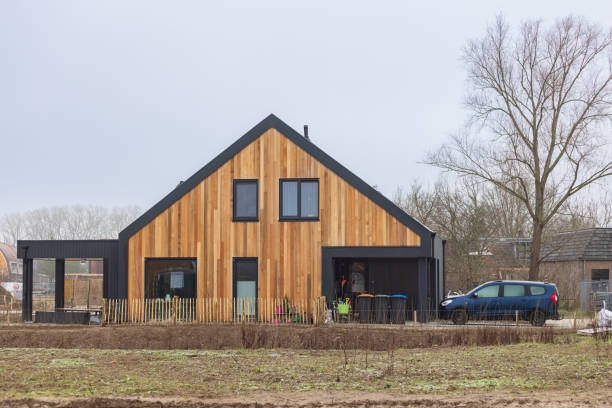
113	103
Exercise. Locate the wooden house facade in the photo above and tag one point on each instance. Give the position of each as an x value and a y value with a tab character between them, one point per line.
273	216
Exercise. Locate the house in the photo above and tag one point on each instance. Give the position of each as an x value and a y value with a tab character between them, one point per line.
502	258
570	259
11	273
11	268
271	216
577	256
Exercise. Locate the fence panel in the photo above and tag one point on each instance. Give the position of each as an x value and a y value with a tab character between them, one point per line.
213	310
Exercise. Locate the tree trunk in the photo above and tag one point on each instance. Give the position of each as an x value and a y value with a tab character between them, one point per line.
536	247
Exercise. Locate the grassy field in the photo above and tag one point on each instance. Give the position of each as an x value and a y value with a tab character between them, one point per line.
572	365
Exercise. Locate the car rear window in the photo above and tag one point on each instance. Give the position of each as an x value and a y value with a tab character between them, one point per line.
537	290
489	291
514	290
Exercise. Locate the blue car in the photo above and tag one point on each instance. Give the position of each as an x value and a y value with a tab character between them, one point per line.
534	301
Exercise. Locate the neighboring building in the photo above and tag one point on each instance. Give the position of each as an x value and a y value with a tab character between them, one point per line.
11	268
575	256
271	216
493	259
569	258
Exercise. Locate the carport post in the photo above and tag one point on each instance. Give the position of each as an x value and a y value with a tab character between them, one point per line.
422	296
26	298
60	267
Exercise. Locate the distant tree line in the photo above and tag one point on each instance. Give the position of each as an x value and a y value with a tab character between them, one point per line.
67	222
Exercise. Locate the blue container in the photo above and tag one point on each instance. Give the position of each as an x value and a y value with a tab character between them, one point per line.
398	309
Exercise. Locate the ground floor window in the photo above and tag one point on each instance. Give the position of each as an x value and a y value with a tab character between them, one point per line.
169	277
245	284
600	274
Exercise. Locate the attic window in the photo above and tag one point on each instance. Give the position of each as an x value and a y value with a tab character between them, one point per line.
299	199
245	200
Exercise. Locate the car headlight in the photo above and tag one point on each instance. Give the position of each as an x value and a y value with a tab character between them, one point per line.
446	302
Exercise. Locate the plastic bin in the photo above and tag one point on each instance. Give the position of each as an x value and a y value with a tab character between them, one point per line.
364	307
398	309
381	308
343	308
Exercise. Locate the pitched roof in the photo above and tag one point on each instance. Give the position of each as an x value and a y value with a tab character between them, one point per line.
592	244
273	122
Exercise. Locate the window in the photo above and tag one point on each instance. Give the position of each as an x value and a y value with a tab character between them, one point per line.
166	278
488	291
14	268
299	199
245	286
245	200
537	290
514	290
600	274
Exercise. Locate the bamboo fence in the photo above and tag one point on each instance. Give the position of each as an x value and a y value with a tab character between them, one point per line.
213	310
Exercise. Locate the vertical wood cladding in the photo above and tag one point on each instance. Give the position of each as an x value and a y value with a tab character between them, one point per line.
200	225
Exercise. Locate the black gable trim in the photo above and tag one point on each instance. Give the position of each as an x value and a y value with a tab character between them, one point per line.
273	122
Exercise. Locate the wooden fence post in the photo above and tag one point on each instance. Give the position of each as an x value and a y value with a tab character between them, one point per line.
517	317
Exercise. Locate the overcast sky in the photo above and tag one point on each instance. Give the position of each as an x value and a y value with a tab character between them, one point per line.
113	103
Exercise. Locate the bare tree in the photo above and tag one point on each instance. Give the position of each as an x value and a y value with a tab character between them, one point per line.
541	98
417	201
459	212
507	214
74	222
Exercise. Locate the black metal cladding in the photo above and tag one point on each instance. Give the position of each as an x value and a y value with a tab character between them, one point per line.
107	249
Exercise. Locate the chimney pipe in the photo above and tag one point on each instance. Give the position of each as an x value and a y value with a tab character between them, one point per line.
306	132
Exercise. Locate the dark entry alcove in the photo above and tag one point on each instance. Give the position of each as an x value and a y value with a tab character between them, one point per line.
377	276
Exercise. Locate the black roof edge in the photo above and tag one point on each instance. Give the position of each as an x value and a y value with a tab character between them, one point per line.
28	241
37	244
271	121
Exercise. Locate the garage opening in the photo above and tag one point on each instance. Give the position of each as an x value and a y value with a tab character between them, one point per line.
376	276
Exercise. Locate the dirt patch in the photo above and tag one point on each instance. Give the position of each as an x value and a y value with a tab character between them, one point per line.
334	399
216	337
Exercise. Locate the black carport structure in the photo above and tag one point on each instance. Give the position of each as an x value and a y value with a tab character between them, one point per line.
106	249
420	271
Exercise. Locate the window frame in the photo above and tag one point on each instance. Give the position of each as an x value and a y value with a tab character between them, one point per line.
235	261
299	181
168	258
236	218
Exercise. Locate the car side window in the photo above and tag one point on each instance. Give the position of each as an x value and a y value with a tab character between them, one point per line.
514	290
537	290
488	291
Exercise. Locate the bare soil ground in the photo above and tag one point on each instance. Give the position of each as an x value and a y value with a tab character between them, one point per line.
332	400
215	337
573	373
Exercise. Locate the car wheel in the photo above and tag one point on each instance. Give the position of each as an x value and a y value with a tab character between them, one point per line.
459	316
538	318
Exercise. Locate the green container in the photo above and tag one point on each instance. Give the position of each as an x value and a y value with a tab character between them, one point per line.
343	308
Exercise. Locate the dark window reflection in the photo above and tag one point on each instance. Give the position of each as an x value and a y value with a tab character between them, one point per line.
166	278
